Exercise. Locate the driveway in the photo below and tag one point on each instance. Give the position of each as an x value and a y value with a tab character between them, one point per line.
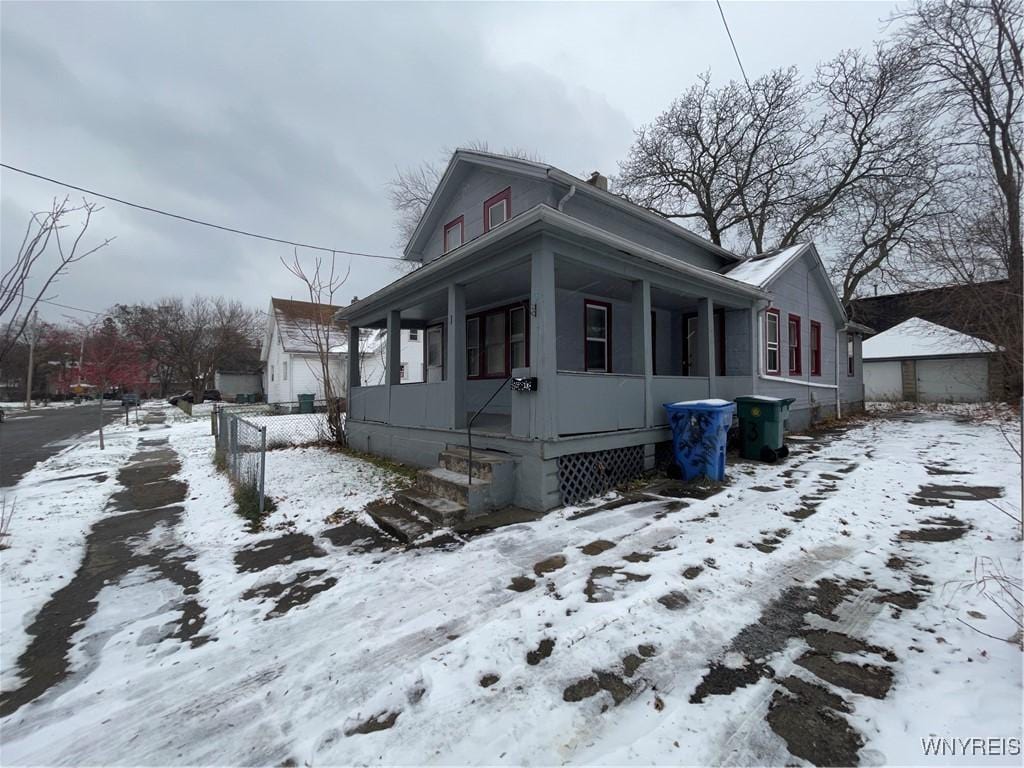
28	437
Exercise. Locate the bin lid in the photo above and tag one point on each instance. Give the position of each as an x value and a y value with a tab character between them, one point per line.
763	399
712	404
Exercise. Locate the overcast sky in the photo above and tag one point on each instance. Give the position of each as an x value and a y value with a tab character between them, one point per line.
288	119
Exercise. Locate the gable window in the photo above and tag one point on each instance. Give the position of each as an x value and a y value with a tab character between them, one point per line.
597	336
498	209
771	341
284	371
454	232
815	348
795	346
849	354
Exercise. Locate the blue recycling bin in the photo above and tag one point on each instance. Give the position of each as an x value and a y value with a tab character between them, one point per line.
699	431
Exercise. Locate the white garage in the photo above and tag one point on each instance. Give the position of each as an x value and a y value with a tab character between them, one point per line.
919	361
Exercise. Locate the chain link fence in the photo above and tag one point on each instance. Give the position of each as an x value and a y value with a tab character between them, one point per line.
287	424
241	450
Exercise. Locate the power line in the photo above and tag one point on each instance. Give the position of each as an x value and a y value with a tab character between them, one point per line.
63	306
721	12
191	220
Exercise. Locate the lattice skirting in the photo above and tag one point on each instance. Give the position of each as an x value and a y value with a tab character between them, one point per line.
582	476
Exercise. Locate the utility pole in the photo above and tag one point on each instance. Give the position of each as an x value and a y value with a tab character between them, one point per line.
33	327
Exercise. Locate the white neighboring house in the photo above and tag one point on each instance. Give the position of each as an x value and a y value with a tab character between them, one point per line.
920	361
291	365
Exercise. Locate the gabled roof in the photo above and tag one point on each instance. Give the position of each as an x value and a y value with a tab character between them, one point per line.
762	270
537	170
915	338
296	322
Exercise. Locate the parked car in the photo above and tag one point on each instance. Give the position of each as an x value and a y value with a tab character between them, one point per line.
187	396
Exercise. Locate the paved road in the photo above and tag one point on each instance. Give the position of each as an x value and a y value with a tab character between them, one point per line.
30	437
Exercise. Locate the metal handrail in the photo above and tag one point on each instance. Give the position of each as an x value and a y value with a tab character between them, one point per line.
469	427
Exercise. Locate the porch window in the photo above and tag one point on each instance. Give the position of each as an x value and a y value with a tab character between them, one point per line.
435	353
473	346
771	341
517	337
454	231
849	354
498	209
597	322
494	344
815	348
795	346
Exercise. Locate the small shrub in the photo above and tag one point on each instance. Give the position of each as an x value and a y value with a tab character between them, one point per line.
220	461
247	501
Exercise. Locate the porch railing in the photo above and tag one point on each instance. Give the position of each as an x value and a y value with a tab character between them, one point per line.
469	427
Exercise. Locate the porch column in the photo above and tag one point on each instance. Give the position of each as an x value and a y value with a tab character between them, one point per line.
353	359
643	362
455	356
543	337
706	341
393	362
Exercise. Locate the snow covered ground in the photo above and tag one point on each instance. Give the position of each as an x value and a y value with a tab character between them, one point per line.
659	630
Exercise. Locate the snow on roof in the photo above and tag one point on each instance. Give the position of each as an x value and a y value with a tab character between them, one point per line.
919	338
296	323
760	270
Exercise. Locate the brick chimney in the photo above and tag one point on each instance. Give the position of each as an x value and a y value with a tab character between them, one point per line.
599	181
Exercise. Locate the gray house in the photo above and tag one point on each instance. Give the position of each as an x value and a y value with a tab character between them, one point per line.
600	312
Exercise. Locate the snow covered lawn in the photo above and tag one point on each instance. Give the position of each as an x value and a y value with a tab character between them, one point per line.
811	610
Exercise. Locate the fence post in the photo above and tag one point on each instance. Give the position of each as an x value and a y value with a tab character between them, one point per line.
234	448
263	462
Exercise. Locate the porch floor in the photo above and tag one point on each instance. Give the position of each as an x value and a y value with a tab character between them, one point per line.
493	423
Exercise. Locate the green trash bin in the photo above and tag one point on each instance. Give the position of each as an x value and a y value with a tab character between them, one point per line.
761	426
306	403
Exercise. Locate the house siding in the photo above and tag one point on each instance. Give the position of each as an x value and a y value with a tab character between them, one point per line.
467	197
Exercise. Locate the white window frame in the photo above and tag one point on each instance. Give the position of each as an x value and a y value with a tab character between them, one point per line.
605	340
516	338
451	227
772	341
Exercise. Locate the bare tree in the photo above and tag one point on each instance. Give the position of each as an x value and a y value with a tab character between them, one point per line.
323	281
776	162
44	230
970	56
410	189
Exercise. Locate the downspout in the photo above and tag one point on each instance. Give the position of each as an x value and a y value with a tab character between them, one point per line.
567	197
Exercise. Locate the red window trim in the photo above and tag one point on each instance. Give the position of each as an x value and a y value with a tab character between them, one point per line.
459	221
506	195
815	348
608	340
719	321
798	370
778	339
481	330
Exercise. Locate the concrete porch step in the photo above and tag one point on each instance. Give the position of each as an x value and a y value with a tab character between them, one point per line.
455	486
442	512
399	521
456	459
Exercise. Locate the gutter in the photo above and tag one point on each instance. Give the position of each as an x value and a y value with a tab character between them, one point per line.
567	198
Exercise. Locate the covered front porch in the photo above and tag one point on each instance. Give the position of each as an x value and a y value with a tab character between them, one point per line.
552	338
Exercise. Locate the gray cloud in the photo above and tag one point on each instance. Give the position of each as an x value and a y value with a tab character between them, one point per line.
290	118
